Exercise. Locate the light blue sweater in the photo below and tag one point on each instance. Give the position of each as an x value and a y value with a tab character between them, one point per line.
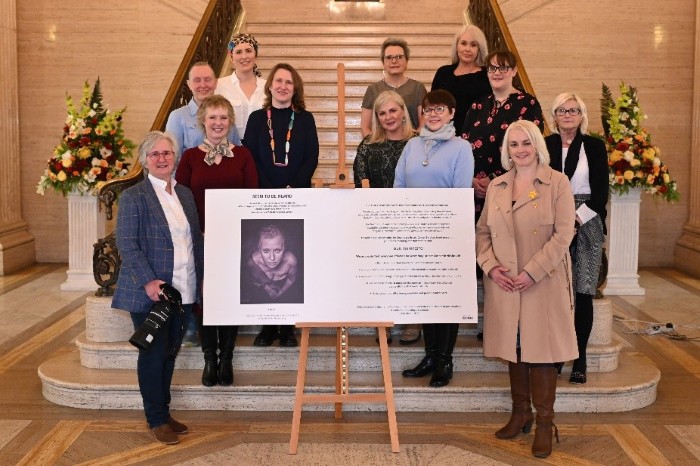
451	165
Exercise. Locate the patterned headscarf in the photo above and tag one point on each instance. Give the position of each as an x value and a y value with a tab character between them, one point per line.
245	38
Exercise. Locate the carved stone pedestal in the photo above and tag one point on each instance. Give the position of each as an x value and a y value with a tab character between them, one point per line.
623	250
85	226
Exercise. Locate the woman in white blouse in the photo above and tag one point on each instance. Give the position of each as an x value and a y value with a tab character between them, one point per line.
584	160
245	87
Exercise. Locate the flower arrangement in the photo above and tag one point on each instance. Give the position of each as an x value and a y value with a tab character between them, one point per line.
93	148
633	160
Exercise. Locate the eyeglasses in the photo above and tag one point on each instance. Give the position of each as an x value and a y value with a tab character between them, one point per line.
439	110
561	111
502	68
155	155
394	57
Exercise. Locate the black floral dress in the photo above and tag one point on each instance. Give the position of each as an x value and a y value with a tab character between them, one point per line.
486	124
377	162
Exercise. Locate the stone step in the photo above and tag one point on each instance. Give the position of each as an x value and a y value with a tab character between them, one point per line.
328	49
66	382
363	355
304	62
368	29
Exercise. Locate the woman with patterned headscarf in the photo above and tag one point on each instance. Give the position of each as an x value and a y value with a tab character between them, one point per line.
245	87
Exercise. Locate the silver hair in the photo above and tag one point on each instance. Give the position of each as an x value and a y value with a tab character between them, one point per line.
150	140
479	37
559	101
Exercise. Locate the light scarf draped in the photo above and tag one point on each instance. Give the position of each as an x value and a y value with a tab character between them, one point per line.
212	150
431	138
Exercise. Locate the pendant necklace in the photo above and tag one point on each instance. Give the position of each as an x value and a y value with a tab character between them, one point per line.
272	139
430	152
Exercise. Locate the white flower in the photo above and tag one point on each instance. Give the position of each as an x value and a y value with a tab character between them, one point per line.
633	122
628	155
624	116
657	162
92	113
104	152
96	162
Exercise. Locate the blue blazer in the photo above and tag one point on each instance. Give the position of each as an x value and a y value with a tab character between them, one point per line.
146	246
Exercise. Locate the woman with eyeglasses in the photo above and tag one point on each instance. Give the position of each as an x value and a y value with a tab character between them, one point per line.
584	160
466	78
488	118
283	140
394	56
216	164
436	159
159	241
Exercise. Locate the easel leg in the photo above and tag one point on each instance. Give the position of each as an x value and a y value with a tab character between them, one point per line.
389	391
340	345
298	397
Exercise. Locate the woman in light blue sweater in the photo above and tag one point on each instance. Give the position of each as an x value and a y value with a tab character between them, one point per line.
436	159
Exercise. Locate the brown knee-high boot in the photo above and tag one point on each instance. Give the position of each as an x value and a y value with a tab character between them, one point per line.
521	417
543	384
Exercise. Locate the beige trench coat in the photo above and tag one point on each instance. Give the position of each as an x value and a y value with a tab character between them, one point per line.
533	234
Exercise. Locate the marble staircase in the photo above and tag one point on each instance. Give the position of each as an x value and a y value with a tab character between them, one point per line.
317	48
100	373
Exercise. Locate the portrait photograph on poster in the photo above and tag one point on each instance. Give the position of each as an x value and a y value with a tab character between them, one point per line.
272	261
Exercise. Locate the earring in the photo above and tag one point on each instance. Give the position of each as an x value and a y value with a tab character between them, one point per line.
403	120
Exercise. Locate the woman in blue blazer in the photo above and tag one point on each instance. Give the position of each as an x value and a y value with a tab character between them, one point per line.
160	241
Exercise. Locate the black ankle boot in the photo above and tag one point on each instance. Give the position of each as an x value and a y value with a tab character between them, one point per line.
209	377
443	372
227	342
425	367
225	375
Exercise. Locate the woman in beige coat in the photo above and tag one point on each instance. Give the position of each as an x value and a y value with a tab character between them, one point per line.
522	245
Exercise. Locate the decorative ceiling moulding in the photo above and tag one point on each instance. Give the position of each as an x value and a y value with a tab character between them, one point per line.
346	10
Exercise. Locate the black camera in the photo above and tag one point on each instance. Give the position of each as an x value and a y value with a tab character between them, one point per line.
171	302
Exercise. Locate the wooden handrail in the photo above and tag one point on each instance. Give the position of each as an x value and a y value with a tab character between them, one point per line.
221	19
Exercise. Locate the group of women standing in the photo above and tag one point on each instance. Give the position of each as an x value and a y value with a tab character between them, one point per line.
161	221
535	216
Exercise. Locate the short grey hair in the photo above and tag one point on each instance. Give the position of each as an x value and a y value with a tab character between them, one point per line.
534	135
479	37
150	140
559	101
395	42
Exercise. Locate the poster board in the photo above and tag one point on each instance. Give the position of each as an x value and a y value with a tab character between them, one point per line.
323	255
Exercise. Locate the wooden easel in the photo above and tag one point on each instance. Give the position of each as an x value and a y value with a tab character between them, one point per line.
342	349
342	378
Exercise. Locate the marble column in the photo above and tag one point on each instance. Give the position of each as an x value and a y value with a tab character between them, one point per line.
16	243
687	251
623	248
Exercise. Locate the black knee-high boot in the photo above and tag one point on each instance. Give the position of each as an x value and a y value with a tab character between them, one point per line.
209	339
427	365
583	322
446	337
227	341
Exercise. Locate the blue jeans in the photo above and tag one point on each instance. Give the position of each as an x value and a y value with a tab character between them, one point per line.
155	368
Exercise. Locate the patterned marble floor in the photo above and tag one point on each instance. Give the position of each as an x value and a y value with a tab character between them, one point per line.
40	321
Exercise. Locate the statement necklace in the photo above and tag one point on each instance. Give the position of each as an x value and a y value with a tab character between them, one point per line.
272	139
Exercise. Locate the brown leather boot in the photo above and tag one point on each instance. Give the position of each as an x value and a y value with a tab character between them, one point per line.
543	384
521	418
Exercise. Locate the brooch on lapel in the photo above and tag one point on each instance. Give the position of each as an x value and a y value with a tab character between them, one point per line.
532	194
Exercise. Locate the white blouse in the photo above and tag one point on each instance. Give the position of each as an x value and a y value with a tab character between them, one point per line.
229	87
580	182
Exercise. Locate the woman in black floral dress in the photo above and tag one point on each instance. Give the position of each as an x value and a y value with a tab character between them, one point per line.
489	117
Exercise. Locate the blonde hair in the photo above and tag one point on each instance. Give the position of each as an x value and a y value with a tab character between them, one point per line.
478	35
534	134
215	101
559	101
378	133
